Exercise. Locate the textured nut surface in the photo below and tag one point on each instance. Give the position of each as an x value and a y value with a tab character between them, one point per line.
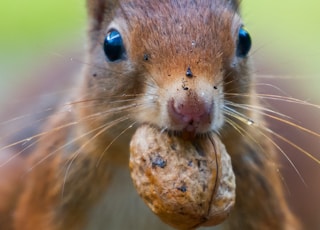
186	183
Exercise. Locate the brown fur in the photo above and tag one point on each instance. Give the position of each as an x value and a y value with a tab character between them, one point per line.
69	173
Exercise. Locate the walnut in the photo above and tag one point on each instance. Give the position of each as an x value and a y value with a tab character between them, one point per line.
187	183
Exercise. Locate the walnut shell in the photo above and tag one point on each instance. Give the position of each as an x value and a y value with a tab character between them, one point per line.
188	184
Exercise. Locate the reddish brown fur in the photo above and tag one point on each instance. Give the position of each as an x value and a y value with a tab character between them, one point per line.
60	191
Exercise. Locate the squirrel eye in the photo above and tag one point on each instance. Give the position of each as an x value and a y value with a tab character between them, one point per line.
113	46
244	43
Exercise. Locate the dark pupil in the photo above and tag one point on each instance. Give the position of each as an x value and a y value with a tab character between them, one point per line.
244	43
113	46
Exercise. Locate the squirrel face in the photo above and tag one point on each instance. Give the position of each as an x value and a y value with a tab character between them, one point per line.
174	64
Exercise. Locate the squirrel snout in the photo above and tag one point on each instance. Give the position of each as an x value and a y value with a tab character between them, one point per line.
191	113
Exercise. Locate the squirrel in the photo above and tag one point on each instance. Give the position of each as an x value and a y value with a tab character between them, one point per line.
183	66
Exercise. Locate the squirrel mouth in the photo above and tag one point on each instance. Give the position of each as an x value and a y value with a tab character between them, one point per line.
191	131
188	135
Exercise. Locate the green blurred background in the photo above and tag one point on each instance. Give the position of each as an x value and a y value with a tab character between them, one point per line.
35	34
39	37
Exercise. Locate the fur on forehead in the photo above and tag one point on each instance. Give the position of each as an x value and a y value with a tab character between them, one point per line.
168	20
102	10
177	24
168	12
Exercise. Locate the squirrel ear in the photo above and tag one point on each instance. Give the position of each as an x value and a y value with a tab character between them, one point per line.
96	10
236	4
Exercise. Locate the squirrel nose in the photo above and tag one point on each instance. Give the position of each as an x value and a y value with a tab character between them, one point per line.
190	111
